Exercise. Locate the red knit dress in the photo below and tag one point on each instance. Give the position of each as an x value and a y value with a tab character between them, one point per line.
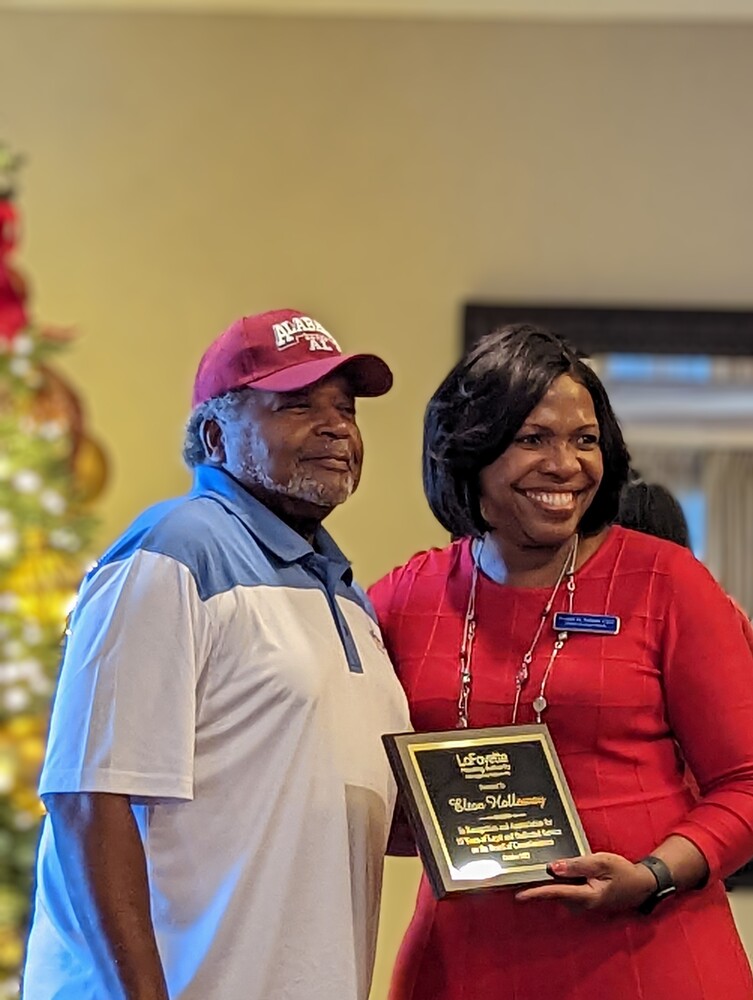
628	713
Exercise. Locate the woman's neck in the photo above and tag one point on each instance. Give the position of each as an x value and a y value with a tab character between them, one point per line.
533	566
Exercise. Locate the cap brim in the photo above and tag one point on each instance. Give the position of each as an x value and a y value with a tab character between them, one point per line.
367	374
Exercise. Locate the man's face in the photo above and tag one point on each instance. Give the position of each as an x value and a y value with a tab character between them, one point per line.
299	452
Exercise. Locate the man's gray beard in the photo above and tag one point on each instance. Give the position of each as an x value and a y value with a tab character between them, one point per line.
301	486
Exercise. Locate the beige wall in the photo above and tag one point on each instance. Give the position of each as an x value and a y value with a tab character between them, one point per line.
184	170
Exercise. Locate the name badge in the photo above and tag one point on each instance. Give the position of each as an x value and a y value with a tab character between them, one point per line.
594	624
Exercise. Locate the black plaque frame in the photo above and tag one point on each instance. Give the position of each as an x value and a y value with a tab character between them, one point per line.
431	839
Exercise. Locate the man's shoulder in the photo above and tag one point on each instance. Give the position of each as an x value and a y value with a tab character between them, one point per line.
176	528
198	532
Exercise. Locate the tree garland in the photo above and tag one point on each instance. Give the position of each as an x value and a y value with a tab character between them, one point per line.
50	471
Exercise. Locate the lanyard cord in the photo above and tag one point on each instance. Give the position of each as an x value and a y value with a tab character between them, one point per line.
469	636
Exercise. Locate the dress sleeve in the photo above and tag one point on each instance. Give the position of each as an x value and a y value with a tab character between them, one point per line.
708	678
393	600
382	597
124	714
401	842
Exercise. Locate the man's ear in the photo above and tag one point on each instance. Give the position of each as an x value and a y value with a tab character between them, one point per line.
213	441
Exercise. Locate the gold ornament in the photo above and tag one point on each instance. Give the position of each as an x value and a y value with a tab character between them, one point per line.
89	468
44	582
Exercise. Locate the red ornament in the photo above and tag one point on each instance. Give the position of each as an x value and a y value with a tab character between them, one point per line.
13	314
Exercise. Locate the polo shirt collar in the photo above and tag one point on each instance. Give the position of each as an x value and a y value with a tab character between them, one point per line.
263	524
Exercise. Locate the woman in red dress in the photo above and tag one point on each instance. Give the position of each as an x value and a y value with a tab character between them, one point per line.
523	463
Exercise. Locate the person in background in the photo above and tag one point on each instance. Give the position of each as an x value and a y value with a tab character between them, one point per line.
218	796
653	509
524	463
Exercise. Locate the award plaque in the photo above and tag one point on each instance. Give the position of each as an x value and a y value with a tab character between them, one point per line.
488	807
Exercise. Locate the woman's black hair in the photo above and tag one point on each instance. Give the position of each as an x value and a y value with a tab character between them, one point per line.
477	410
652	509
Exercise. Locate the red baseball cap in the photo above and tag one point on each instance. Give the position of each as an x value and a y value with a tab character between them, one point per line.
282	350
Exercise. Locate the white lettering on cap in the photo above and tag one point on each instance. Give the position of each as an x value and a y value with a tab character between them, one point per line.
292	331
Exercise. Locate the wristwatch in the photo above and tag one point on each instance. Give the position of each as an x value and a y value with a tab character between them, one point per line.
665	884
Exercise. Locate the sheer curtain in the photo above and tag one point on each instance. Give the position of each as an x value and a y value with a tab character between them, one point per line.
726	480
728	485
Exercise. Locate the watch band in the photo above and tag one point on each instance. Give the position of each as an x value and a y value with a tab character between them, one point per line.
665	884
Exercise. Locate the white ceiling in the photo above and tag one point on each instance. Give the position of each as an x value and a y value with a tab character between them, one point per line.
553	10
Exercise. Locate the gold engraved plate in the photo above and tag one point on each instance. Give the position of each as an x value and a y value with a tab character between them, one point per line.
489	808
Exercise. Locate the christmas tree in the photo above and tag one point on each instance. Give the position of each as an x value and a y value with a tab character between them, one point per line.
50	470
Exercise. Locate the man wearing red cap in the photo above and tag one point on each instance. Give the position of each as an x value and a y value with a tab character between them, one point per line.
218	797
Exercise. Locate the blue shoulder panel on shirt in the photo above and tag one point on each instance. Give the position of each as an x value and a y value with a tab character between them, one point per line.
217	547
